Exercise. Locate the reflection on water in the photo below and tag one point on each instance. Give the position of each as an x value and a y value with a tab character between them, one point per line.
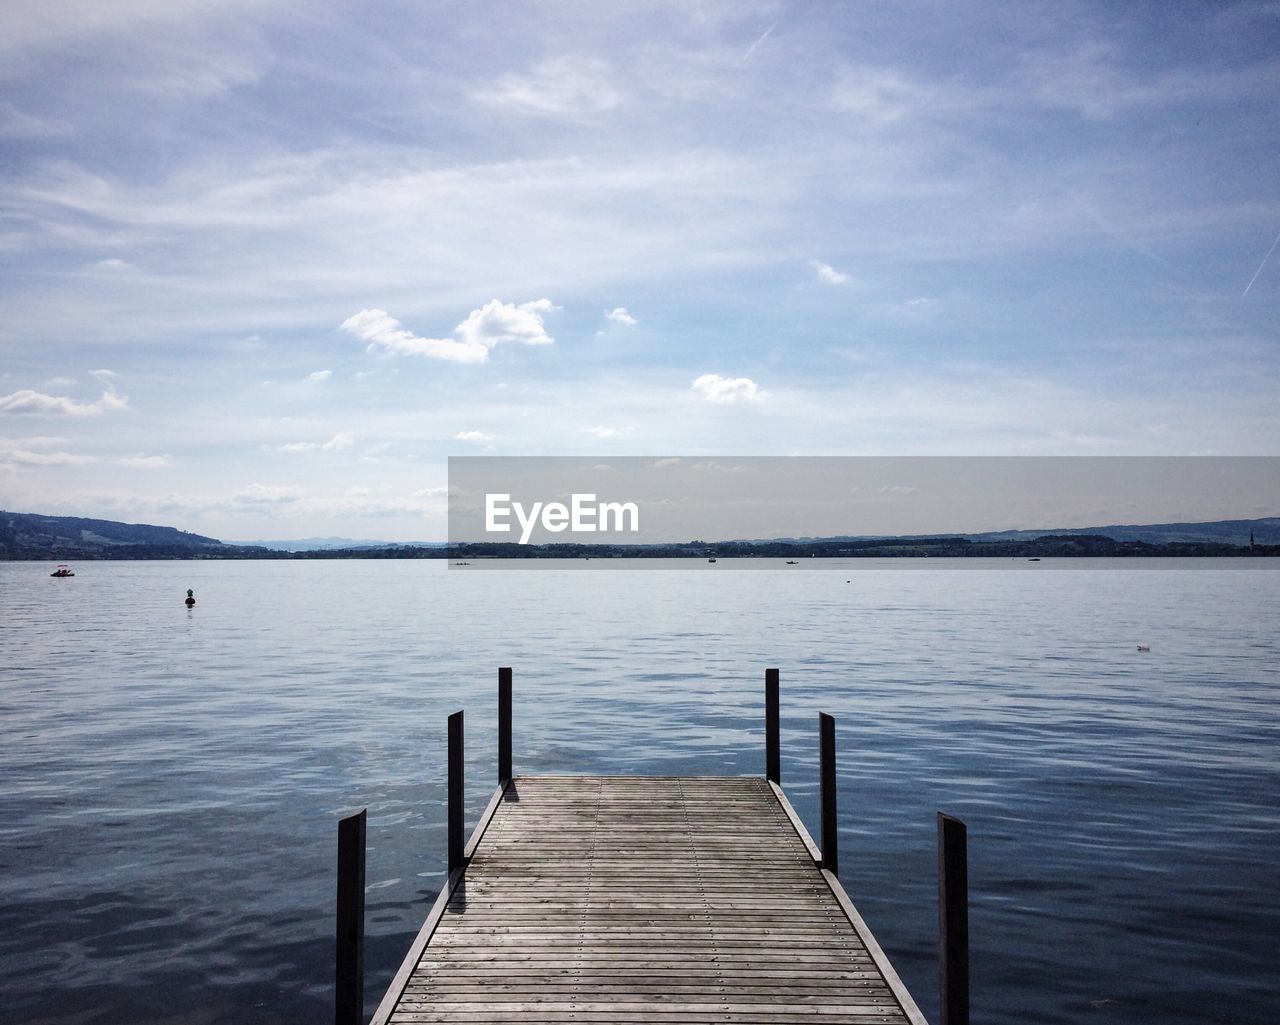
173	777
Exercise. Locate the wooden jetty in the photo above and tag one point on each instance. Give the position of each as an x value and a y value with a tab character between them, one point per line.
645	899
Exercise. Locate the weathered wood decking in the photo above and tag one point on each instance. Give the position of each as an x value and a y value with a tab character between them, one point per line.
644	899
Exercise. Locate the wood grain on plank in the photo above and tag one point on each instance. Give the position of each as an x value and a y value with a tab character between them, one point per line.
645	899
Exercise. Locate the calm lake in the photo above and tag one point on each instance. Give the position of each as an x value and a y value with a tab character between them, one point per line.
172	778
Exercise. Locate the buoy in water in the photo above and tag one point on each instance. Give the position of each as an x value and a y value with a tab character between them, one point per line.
191	597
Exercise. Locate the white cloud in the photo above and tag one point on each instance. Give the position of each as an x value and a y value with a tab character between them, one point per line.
492	324
880	96
568	86
621	316
602	432
919	308
267	494
34	403
1092	81
194	74
144	462
320	375
17	124
26	452
515	222
112	264
339	441
505	322
715	388
478	437
377	327
828	274
34	441
22	458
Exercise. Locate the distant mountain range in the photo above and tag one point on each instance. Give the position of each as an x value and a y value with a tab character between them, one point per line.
1265	531
63	538
328	544
31	536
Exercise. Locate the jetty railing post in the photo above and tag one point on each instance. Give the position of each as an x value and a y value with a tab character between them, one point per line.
348	1002
772	752
504	724
456	813
827	792
953	921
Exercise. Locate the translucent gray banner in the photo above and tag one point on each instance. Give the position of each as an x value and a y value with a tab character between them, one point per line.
686	509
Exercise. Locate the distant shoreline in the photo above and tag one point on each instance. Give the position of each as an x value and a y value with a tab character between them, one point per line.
1051	546
35	537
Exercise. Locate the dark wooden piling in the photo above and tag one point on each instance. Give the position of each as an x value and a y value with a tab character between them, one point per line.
456	808
953	921
504	723
827	792
348	1004
772	746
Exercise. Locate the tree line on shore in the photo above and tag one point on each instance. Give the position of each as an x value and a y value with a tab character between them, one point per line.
28	536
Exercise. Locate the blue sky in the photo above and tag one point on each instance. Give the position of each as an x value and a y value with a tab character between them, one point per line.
265	265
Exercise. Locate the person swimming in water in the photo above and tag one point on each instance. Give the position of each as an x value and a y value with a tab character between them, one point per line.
191	597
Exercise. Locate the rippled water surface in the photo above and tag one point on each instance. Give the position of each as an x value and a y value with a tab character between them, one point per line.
170	780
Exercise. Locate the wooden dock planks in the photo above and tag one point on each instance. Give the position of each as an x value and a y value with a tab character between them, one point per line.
644	899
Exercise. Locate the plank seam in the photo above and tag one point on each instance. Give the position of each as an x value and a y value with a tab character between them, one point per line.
660	852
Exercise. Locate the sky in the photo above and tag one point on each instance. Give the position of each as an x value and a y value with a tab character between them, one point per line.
265	265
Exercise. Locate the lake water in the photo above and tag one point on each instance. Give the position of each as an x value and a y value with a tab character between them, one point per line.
172	778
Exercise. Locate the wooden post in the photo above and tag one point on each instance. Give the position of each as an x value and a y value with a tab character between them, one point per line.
348	1003
772	752
504	724
456	811
953	921
827	792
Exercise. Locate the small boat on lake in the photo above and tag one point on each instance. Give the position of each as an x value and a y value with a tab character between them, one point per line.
63	570
792	562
